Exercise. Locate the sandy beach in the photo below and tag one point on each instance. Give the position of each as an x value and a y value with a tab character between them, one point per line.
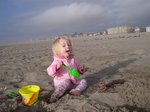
109	58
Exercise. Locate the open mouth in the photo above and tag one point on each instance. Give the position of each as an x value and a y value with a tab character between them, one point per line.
68	51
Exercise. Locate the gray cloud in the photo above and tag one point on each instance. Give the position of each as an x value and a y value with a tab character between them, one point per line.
133	12
80	16
76	15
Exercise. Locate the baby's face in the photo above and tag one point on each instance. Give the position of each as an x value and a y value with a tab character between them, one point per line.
65	48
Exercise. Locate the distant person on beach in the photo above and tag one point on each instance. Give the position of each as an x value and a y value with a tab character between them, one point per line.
63	81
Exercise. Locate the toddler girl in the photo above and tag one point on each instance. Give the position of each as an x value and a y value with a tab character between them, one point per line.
63	81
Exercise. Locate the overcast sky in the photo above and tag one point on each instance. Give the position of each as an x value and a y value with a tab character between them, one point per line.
26	19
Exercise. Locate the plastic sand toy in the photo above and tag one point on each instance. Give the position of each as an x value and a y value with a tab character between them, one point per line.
12	94
30	94
72	72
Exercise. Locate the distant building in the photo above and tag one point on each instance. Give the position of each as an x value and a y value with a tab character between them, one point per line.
143	29
85	34
148	29
140	29
78	34
97	33
105	32
118	30
137	29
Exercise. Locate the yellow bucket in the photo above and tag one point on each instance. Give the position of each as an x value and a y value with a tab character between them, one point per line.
29	94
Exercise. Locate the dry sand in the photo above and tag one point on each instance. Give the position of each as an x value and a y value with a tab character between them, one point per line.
111	57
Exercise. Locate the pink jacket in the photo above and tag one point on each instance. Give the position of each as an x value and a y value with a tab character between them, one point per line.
63	73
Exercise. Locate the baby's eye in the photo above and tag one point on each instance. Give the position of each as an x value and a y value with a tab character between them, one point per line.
63	45
69	44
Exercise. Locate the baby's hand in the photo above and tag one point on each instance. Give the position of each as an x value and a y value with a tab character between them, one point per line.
59	65
83	69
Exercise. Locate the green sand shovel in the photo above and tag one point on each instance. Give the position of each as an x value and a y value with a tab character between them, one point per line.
72	72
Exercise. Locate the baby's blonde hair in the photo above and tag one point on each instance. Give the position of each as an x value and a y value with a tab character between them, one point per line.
55	45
